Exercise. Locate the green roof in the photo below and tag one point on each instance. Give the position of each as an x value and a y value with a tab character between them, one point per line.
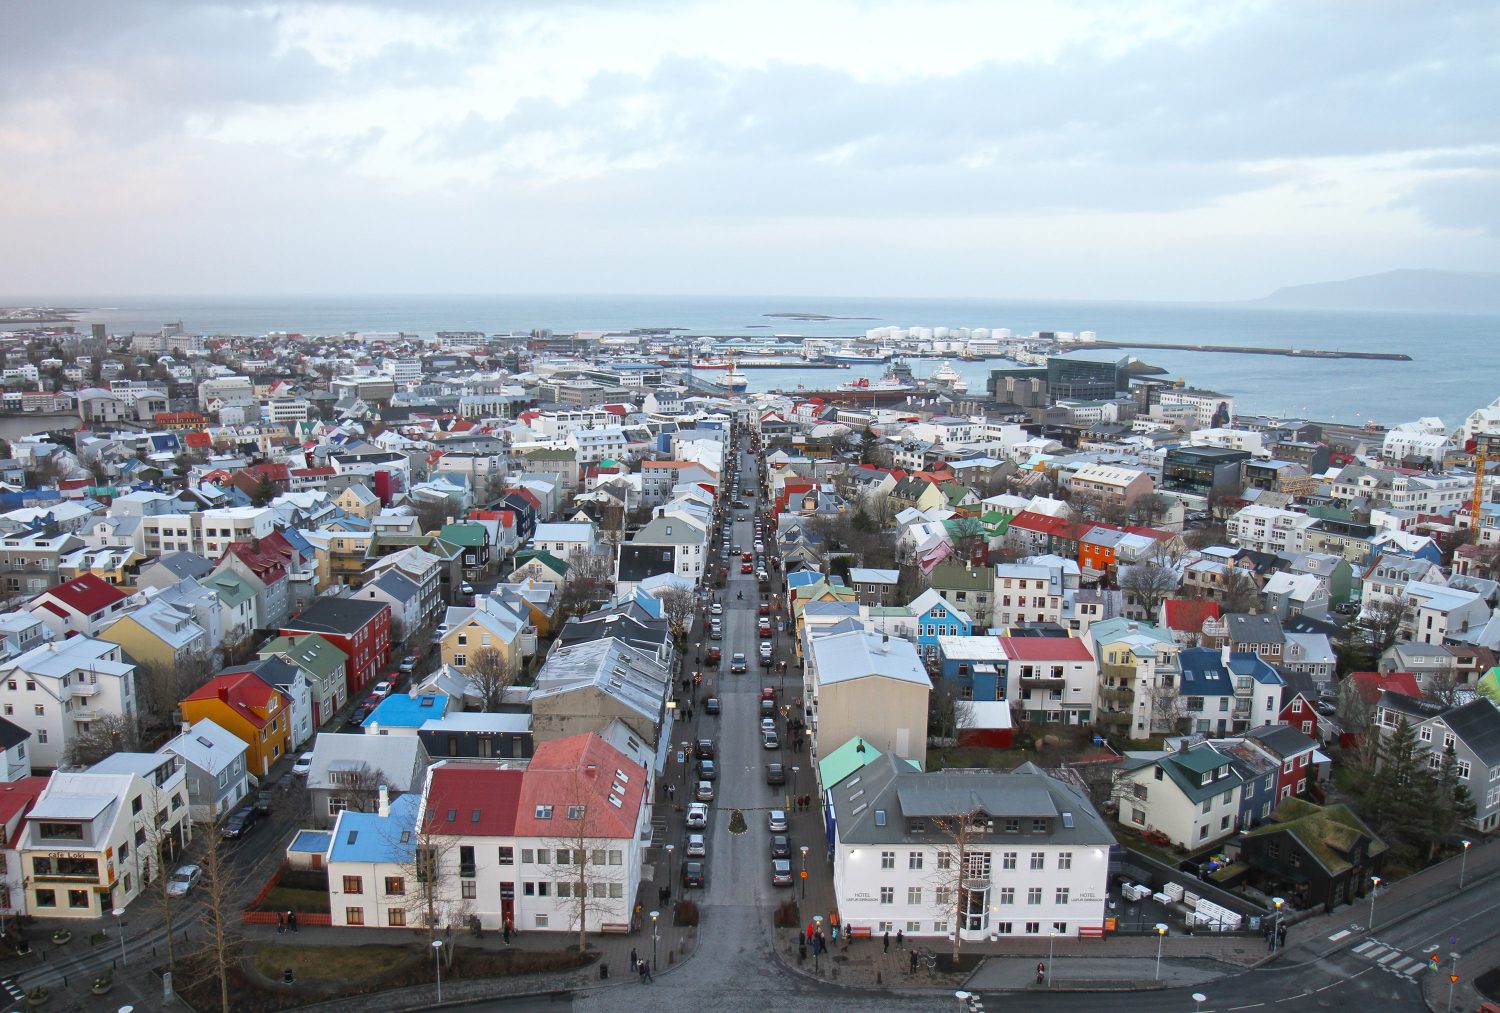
550	454
465	533
846	759
231	588
1327	832
309	651
547	559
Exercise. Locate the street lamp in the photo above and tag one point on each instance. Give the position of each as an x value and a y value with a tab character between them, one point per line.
1276	926
1452	975
119	913
817	935
1463	863
1198	1000
437	960
1161	934
655	935
795	770
803	849
669	864
1051	948
1374	889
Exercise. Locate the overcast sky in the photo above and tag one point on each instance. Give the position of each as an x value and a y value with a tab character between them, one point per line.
1136	150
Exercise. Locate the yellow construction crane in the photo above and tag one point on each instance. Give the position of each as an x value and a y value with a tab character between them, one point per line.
1478	498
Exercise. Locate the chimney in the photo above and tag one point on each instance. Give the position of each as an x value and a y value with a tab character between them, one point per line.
385	801
224	693
591	769
1132	627
1224	655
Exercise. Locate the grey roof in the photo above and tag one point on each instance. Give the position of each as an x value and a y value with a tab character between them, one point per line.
1417	709
1245	628
842	657
1477	724
875	804
397	585
626	673
1283	740
186	564
207	746
12	734
401	758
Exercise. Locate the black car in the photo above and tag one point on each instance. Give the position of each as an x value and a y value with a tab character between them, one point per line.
708	770
706	749
694	874
775	774
711	705
781	846
241	823
263	802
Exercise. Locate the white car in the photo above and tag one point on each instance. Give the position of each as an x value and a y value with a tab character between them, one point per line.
767	725
776	821
303	765
697	847
697	816
183	879
716	609
381	690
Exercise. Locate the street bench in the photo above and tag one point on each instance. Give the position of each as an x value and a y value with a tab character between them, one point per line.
859	932
615	928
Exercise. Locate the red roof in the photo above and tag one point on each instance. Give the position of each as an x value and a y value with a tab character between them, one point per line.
85	594
265	558
1045	649
1371	684
198	438
1030	520
581	770
245	693
16	799
326	471
1187	615
462	800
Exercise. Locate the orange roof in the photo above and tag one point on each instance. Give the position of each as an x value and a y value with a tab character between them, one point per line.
581	770
464	800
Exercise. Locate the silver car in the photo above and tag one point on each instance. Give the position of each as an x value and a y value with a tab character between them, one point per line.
697	847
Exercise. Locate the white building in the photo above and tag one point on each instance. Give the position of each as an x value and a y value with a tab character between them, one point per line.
1268	529
56	689
1027	593
1033	861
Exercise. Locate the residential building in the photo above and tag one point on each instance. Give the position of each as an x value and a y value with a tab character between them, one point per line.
214	769
1026	593
1328	852
159	633
1191	796
83	605
1138	675
585	687
255	712
322	665
348	771
858	684
57	689
1226	691
360	629
1471	729
969	589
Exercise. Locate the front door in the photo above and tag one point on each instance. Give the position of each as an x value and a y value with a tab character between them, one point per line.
507	904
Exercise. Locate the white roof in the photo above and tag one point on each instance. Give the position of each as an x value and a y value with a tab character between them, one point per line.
843	657
207	746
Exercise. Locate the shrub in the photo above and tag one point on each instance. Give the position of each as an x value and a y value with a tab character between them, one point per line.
686	913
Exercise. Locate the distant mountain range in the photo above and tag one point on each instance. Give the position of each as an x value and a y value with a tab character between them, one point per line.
1414	291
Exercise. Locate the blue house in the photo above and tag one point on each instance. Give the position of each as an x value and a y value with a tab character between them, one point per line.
974	666
935	618
404	712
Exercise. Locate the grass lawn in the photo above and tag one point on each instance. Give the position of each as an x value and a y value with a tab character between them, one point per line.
290	898
340	963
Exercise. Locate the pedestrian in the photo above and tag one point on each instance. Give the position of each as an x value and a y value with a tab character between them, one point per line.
280	923
633	958
835	935
1281	935
672	792
510	927
646	970
887	941
809	931
505	931
1041	973
640	969
291	920
913	961
900	938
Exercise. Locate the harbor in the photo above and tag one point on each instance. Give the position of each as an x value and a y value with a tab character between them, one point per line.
1296	353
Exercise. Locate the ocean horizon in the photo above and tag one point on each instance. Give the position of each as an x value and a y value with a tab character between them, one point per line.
1447	350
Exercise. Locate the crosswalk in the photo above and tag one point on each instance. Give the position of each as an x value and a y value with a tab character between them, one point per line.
1389	958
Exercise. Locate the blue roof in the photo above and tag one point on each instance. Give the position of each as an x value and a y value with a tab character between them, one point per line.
313	842
1205	674
802	578
370	837
405	711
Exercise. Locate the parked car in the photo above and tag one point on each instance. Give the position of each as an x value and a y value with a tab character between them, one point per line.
768	693
716	609
708	770
711	705
303	765
263	801
775	774
768	707
705	791
781	872
770	740
776	821
694	874
382	689
767	724
712	658
705	749
781	846
697	816
466	588
765	608
244	820
183	879
716	629
697	847
764	626
408	665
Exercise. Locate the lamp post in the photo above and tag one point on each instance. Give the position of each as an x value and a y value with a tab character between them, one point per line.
1453	974
803	849
437	960
796	769
1276	925
1161	934
655	935
1051	948
1463	863
119	913
1198	1000
1374	889
669	863
818	936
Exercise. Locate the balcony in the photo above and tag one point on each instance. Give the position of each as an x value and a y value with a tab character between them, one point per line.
83	690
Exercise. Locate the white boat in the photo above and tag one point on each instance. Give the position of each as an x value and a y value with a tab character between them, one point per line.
848	353
950	378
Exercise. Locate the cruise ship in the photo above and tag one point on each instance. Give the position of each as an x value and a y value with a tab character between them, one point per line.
851	354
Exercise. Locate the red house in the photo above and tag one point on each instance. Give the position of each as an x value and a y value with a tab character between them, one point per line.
1297	711
1293	754
82	605
361	629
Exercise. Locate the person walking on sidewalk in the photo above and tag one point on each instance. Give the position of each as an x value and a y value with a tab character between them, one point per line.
505	933
900	938
280	923
291	920
887	941
646	971
634	960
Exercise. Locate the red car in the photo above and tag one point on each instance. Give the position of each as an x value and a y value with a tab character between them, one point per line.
747	557
765	626
765	608
712	658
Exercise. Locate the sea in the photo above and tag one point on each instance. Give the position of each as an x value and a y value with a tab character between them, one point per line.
1455	365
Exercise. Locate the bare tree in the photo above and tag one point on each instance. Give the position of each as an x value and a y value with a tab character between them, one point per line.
431	867
159	688
1357	717
1149	583
154	858
1383	618
359	787
1149	509
1166	708
490	673
590	576
967	534
1241	593
218	916
582	850
679	605
957	863
1443	687
431	514
102	737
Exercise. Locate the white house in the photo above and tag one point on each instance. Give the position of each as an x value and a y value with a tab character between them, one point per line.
1192	795
56	689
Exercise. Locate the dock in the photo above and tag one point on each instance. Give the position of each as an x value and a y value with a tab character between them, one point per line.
1295	353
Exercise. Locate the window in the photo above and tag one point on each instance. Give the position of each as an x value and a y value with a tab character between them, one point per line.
544	812
1463	769
887	895
468	891
1012	826
1039	826
61	831
887	859
1033	928
1038	860
1061	897
914	860
1007	895
466	861
507	856
1065	860
395	917
942	896
914	896
354	884
944	860
575	812
1008	860
1034	895
44	898
354	915
460	660
1425	733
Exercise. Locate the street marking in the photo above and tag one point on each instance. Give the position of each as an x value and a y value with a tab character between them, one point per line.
1390	957
1430	949
1362	947
1401	967
1338	935
1379	949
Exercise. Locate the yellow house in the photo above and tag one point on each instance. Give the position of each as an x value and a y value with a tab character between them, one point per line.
158	634
483	631
359	501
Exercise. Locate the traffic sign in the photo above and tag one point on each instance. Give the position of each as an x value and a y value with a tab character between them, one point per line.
804	873
1453	978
